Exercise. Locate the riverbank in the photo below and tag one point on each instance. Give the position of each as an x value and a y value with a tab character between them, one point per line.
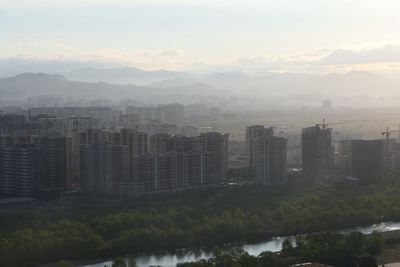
171	258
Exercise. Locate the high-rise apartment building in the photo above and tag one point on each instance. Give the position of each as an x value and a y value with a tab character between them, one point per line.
11	122
317	152
35	165
93	174
177	163
269	160
215	147
58	161
21	168
367	160
252	133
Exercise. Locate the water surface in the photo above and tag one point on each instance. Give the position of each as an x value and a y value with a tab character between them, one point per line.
273	244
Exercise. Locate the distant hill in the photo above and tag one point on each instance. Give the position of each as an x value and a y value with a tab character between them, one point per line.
86	71
34	84
177	82
259	85
263	87
127	75
278	84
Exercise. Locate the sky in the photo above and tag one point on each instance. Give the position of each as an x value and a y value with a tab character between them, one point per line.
304	36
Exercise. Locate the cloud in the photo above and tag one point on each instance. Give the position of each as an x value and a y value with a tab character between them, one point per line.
263	63
385	54
62	51
383	60
61	56
172	53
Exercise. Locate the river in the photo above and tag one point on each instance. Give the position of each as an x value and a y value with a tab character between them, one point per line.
274	245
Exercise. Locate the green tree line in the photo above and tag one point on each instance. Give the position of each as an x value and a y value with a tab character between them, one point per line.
204	218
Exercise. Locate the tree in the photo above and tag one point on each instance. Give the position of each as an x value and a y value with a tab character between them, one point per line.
119	262
287	247
132	262
268	259
375	244
64	264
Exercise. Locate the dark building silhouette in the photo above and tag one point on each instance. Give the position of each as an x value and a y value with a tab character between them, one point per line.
317	152
35	165
137	144
104	161
21	169
11	122
216	146
94	168
367	160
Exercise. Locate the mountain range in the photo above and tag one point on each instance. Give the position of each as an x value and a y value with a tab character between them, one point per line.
33	84
133	83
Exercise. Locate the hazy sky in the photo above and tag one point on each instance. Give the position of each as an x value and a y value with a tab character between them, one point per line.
249	35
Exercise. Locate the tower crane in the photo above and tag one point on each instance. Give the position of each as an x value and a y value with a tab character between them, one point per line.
324	124
387	133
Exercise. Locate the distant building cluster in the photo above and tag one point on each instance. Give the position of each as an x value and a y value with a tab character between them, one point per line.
361	161
149	150
43	154
132	163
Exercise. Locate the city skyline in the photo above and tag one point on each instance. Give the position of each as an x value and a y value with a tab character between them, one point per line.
246	133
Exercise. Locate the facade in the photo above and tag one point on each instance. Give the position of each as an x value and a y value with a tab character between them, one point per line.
104	161
76	124
367	163
21	168
177	163
51	124
53	154
58	161
117	165
137	144
269	160
103	115
368	160
215	145
344	156
317	152
11	122
34	165
252	133
93	165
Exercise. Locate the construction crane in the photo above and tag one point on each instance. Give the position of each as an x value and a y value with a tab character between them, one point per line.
324	124
387	133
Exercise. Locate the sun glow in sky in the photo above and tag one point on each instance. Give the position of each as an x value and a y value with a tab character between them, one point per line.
248	35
